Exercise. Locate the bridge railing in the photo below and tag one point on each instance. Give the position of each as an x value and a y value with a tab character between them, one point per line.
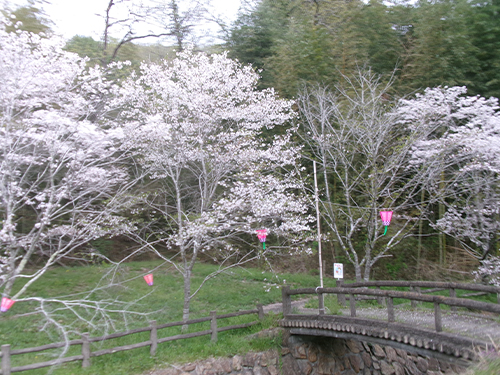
361	289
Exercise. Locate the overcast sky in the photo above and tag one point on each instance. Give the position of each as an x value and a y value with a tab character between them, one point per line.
79	17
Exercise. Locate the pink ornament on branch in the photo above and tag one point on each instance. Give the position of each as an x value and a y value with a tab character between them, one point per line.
6	304
149	279
261	235
386	217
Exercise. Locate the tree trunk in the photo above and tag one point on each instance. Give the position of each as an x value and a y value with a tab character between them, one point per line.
442	236
187	298
357	271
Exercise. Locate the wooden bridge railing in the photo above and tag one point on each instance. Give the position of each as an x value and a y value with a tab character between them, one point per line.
415	295
153	341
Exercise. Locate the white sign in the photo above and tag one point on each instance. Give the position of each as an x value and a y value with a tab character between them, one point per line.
338	270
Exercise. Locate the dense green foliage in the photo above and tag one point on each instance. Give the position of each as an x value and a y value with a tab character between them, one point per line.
426	44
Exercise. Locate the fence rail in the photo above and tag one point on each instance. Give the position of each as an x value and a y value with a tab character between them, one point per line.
153	341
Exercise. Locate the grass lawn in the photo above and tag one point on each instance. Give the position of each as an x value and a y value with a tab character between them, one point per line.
238	289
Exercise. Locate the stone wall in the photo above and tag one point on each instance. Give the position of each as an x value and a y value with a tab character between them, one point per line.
266	363
308	355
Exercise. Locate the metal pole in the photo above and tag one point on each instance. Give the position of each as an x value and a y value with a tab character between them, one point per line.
318	224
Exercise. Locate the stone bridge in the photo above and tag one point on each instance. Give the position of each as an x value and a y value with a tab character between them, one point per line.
386	328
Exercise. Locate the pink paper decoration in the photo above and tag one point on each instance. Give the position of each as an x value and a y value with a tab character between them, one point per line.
261	235
6	304
149	279
386	217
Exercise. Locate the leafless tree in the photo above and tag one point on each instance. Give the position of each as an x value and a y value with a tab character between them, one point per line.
364	153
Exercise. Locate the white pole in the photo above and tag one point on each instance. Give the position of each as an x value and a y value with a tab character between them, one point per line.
318	224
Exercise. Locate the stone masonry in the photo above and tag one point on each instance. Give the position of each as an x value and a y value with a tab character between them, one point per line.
307	355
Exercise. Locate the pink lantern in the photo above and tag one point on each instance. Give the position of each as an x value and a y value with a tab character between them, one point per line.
386	217
6	304
261	235
149	279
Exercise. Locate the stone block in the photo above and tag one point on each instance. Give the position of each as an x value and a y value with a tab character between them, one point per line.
250	359
189	367
443	366
168	371
457	369
354	346
367	359
339	347
366	346
326	364
386	368
237	362
273	370
422	364
305	367
356	363
411	368
402	353
257	370
290	366
392	356
433	364
269	358
378	351
226	364
300	352
399	368
312	353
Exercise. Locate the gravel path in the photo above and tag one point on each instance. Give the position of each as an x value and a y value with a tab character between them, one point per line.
484	327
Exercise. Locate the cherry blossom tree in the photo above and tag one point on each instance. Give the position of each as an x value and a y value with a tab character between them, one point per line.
197	124
355	135
462	159
489	271
62	175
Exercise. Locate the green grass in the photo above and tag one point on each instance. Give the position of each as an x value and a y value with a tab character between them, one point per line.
332	307
238	289
487	366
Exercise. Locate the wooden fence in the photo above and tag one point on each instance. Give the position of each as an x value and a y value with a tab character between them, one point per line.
386	297
153	341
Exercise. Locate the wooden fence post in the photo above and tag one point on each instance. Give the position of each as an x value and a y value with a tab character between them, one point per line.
437	317
380	300
286	301
352	305
390	310
413	303
85	350
321	303
340	297
5	359
453	294
213	325
153	337
262	315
